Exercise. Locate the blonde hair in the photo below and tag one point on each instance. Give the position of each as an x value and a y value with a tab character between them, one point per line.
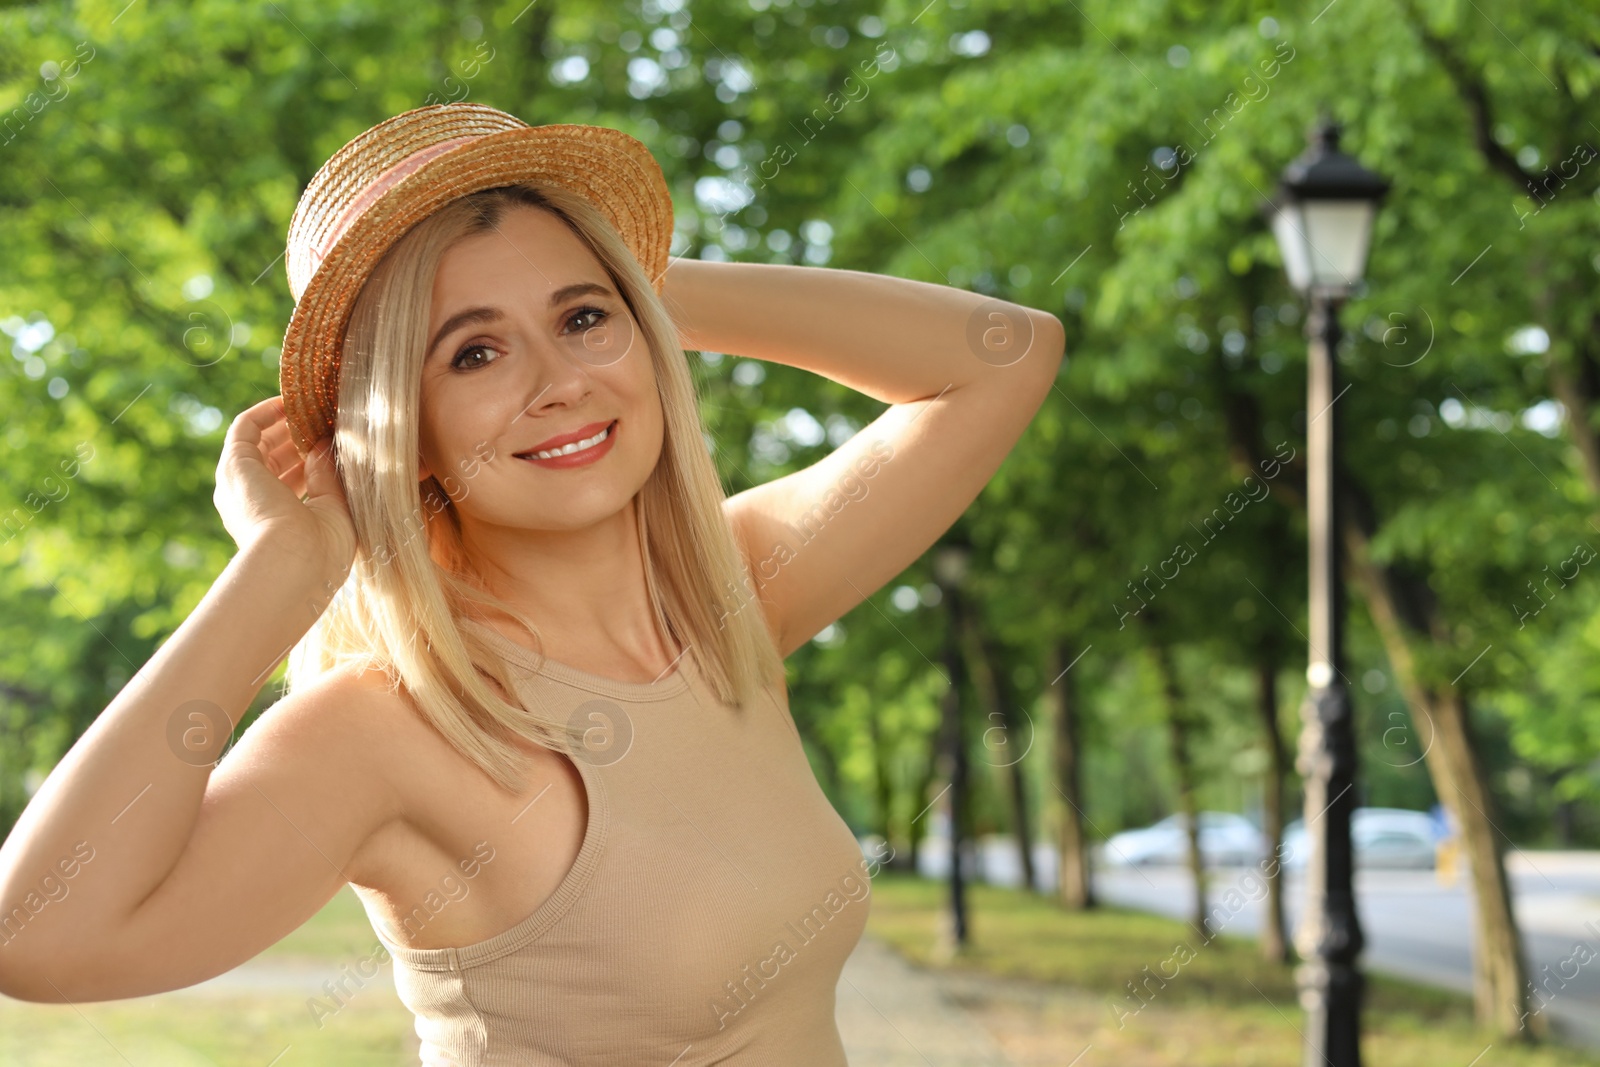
411	583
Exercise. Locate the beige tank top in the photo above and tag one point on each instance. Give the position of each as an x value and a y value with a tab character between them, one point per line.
706	919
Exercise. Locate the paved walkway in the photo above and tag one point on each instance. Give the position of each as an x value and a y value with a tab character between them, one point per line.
892	1014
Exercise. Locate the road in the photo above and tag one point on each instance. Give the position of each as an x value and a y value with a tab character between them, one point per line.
1417	928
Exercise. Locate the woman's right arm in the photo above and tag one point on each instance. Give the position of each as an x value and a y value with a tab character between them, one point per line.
139	866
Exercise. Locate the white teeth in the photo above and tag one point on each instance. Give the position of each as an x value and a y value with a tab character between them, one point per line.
576	446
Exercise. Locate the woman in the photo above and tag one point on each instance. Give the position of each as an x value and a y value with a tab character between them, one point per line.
536	715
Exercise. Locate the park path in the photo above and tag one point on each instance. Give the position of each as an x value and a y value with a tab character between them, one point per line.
890	1012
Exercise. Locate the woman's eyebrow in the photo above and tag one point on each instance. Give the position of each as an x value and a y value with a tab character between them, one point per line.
567	292
478	316
470	317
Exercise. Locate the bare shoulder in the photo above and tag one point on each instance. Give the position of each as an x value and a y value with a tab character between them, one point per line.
355	723
351	716
351	724
348	706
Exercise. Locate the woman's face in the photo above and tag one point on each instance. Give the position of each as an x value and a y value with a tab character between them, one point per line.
529	341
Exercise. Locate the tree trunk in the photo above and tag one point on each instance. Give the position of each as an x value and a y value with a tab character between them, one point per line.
827	761
1073	888
1003	744
882	787
1563	823
1178	726
1274	943
955	755
1500	983
919	821
1018	743
1575	385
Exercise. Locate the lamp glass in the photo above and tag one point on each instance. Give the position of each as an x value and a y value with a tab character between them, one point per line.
1288	226
1338	232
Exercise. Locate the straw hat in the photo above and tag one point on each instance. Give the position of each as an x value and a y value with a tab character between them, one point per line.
400	171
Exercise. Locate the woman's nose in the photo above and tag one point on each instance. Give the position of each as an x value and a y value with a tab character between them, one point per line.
554	376
559	370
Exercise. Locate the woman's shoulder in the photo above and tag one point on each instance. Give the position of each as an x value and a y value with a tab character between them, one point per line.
377	708
349	690
381	723
377	739
382	736
361	710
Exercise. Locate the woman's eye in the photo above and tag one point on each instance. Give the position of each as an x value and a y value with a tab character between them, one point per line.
467	351
588	314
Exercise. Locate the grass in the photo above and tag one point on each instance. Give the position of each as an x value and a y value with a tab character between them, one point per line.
251	1028
339	932
1197	1004
256	1029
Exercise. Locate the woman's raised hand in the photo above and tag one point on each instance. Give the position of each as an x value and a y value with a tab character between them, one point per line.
210	866
267	493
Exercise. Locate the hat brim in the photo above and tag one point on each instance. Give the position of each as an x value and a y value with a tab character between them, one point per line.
607	167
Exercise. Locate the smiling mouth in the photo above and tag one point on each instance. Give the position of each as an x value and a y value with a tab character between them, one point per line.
575	447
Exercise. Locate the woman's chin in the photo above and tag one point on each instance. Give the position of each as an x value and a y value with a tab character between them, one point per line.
582	510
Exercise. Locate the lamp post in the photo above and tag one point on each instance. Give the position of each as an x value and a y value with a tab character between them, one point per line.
1322	218
950	570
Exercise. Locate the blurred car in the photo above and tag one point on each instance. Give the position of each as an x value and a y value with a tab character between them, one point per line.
1226	840
1381	837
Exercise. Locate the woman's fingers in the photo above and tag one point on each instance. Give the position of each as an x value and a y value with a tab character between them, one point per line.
258	418
247	434
322	475
266	426
295	478
282	457
265	487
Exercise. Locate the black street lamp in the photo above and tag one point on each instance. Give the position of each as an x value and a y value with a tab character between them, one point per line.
1322	218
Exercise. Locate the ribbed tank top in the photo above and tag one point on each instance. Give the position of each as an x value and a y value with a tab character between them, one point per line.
709	913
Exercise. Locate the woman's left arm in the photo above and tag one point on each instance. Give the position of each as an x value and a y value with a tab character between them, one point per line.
964	374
